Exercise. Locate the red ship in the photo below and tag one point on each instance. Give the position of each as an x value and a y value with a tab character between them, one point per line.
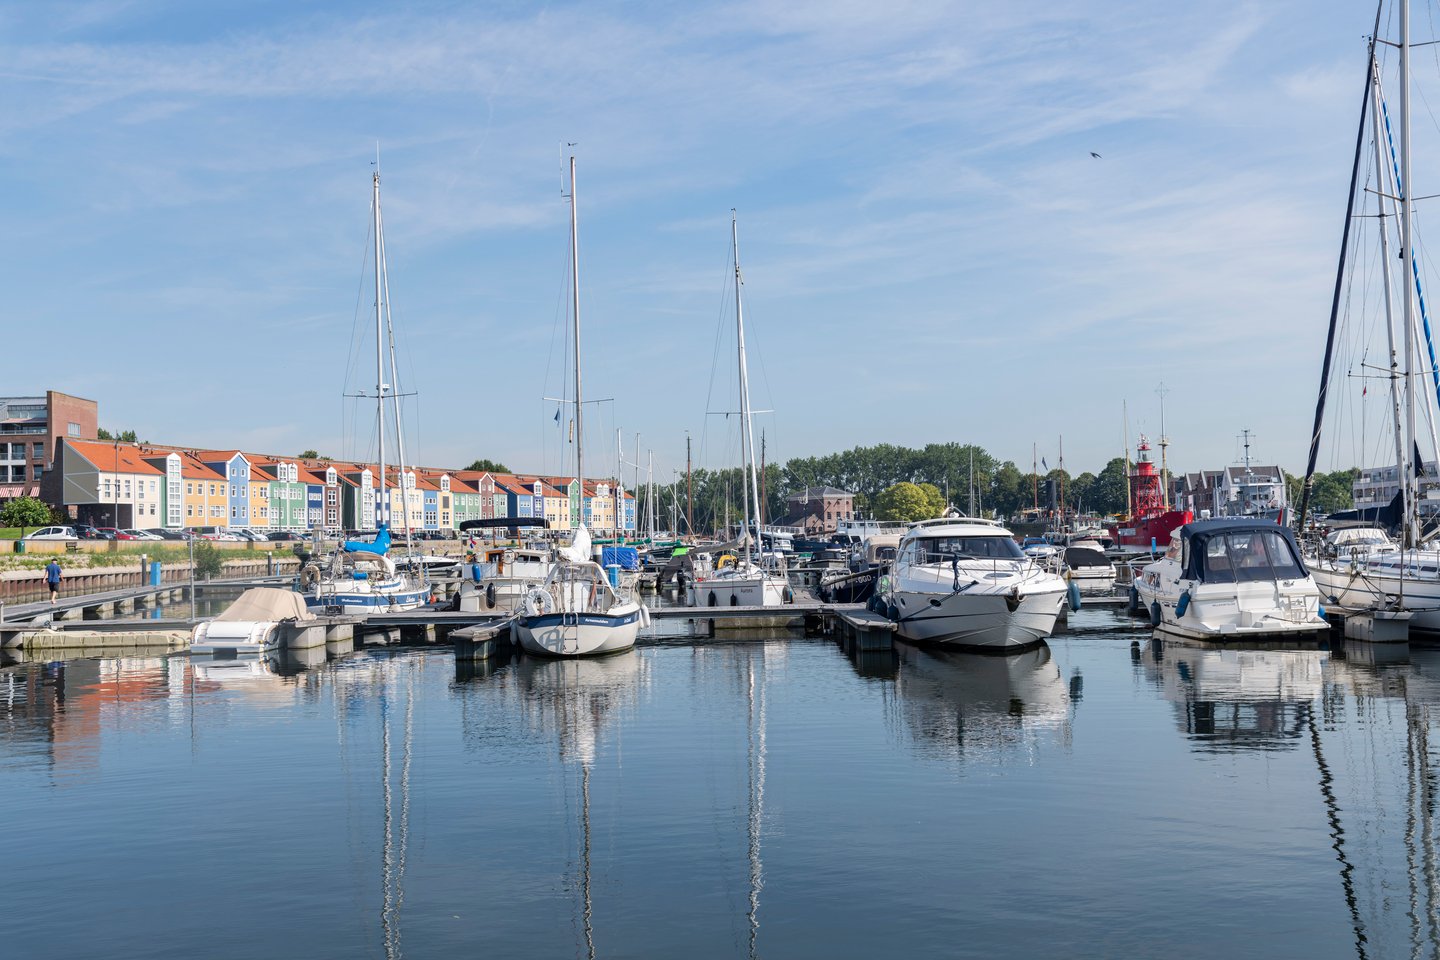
1150	522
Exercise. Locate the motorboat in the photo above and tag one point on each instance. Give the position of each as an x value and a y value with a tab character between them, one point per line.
1084	563
964	582
857	583
1231	579
256	623
497	580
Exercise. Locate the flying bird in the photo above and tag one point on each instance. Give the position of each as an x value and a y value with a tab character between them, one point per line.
1096	155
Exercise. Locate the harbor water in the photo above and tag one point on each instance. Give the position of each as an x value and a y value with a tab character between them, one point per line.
1107	795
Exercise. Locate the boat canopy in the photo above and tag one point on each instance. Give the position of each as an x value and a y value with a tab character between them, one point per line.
1240	550
1085	557
503	523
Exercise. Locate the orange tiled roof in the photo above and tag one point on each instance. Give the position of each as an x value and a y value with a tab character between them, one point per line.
121	458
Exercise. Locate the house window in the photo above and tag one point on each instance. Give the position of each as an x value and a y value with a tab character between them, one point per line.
189	510
73	429
233	513
39	450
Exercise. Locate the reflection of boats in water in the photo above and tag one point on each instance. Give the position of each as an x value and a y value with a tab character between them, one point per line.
1236	697
979	703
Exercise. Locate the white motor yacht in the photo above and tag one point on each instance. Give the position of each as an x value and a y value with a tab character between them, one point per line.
1231	579
965	582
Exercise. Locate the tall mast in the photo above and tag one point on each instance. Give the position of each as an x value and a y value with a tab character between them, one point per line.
1407	249
1125	415
1164	442
689	491
1035	474
395	394
575	303
382	506
747	431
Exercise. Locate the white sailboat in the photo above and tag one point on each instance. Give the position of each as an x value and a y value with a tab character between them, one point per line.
576	612
743	582
1397	588
360	577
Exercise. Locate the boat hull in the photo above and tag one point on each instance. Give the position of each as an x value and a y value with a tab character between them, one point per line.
1351	588
361	603
984	621
578	634
737	592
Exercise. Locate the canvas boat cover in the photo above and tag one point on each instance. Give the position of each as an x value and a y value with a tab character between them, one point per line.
626	558
267	604
1085	557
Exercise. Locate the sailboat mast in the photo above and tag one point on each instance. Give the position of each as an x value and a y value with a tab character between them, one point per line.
689	491
1407	249
747	432
575	303
382	511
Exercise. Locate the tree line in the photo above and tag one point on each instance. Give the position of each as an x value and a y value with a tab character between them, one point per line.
944	475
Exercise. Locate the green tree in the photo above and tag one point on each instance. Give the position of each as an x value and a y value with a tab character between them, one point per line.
1107	493
903	501
488	466
124	436
207	560
24	512
1333	491
934	500
311	455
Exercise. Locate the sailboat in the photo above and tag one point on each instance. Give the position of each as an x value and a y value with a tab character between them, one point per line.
1397	588
742	582
361	577
576	612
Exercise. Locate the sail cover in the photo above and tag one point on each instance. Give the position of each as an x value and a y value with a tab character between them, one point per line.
579	549
380	545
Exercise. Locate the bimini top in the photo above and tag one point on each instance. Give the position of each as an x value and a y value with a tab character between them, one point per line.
1240	550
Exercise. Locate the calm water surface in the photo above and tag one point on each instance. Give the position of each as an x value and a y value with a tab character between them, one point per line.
766	798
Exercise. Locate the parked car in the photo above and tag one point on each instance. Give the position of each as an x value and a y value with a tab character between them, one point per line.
244	533
112	533
286	535
86	532
53	533
143	535
164	534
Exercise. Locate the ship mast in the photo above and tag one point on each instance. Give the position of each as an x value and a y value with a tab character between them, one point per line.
382	506
1164	442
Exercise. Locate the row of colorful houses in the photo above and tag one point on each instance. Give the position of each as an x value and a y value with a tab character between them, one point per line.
149	486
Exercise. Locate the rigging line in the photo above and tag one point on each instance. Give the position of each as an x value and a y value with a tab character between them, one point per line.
1339	277
1414	261
352	358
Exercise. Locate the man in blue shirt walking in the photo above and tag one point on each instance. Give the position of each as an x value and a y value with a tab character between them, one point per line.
52	579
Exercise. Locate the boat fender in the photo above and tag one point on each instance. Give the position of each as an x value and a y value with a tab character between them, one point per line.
1134	606
538	602
734	599
893	612
713	599
1073	593
490	595
644	616
1182	604
787	594
1322	611
1155	617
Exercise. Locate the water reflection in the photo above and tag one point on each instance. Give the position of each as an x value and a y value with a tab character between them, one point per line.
1228	698
978	705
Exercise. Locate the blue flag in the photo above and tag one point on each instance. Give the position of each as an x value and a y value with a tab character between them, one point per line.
557	414
1044	464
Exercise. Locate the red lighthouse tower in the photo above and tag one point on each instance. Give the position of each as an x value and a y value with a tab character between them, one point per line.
1149	521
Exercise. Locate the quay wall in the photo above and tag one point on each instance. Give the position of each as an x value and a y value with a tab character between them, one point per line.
22	586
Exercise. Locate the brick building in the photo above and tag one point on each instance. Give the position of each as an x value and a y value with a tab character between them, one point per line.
818	509
31	430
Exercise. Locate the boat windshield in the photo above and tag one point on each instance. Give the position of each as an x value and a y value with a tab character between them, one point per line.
1249	555
945	549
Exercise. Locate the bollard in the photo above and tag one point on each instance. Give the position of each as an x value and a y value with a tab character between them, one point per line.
155	573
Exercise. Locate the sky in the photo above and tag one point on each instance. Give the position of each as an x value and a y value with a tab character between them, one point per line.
930	251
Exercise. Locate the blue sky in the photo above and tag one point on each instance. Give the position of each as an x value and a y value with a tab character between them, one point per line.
931	254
